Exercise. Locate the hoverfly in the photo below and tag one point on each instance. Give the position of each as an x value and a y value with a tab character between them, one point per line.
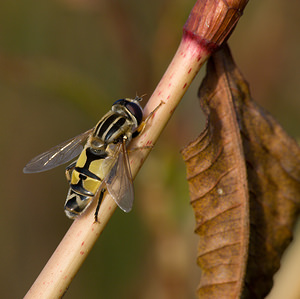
103	161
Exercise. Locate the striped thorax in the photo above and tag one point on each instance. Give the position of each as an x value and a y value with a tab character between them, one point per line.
122	120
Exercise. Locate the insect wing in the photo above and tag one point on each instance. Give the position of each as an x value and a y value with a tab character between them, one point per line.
119	180
57	155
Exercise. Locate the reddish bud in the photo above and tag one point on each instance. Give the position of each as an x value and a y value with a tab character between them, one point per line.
212	21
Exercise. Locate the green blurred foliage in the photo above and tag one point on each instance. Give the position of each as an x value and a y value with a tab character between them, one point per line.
62	64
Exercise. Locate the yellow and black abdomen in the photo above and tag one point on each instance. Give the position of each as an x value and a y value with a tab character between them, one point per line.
86	178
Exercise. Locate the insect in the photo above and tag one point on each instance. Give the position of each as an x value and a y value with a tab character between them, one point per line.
103	161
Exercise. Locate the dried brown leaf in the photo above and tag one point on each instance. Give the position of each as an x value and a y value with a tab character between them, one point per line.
244	180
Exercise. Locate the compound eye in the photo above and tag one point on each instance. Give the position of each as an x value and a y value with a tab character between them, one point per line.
135	110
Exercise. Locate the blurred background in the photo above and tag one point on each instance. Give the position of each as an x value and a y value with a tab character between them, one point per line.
62	64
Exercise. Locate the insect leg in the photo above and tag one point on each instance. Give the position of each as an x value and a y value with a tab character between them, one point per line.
69	170
98	204
142	126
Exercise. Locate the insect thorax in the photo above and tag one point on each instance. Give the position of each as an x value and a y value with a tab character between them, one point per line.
112	127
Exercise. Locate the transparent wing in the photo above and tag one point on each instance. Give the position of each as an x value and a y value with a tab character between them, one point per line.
57	155
119	180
